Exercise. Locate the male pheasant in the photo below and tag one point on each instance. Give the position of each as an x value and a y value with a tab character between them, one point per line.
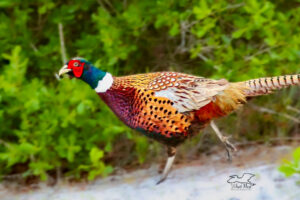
169	106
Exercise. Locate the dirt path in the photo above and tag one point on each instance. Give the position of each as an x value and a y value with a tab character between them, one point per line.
205	178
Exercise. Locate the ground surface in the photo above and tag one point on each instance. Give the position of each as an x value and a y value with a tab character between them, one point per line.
204	178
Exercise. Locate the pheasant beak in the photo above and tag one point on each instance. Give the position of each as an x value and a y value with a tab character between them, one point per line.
64	70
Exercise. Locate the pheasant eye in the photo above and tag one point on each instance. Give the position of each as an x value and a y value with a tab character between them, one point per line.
76	64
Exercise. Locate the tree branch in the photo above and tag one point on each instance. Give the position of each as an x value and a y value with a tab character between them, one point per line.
293	109
62	43
62	47
267	110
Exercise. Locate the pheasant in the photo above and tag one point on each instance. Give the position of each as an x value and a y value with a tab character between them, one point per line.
171	107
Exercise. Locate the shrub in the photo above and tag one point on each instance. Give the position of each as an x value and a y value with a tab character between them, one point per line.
48	124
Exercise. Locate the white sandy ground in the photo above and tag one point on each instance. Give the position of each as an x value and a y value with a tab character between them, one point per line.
205	178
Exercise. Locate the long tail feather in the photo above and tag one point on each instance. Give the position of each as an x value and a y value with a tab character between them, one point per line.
267	85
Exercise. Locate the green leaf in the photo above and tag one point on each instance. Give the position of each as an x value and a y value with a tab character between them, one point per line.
237	34
202	10
95	155
40	168
296	155
287	170
174	29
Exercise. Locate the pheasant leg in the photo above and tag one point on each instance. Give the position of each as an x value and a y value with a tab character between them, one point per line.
169	163
229	147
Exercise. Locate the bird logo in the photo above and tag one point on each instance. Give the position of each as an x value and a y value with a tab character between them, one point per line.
241	182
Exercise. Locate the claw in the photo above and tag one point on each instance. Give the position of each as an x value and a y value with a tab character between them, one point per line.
160	181
229	145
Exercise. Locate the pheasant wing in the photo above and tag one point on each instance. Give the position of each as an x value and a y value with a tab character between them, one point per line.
187	92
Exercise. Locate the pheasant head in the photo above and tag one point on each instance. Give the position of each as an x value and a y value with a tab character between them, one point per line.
82	69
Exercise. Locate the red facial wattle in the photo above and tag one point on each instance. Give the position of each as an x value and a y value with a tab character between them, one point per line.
77	67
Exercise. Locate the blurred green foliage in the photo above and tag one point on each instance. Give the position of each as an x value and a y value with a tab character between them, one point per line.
291	167
48	124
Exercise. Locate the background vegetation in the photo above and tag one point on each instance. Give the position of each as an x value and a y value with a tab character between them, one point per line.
49	127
